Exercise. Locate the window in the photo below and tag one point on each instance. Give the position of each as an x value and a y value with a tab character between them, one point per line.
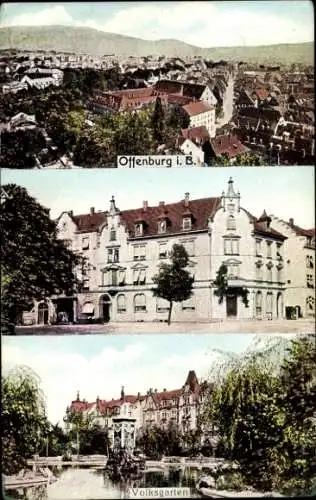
139	302
86	284
231	246
279	274
269	249
269	304
259	274
121	277
309	262
162	226
259	303
232	271
309	281
231	223
269	274
112	235
189	247
189	305
139	229
140	252
113	277
186	223
121	303
85	243
113	255
139	276
162	305
279	251
258	248
162	252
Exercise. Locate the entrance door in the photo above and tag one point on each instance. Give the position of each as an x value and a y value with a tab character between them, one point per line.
43	313
231	305
105	309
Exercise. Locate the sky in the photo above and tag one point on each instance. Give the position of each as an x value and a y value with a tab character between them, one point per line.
286	192
99	365
204	24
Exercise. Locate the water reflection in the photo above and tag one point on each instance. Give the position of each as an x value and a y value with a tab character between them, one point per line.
86	484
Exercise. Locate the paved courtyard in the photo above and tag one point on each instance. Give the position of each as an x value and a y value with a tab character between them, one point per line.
278	326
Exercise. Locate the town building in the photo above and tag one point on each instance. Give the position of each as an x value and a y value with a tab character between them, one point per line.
299	267
179	407
124	250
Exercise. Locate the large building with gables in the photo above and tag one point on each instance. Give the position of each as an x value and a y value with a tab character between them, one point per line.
124	250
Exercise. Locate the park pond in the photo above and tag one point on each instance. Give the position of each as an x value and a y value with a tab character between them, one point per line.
79	483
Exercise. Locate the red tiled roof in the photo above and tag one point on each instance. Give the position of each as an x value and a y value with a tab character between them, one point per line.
309	233
196	133
229	145
191	90
201	209
178	99
262	93
196	108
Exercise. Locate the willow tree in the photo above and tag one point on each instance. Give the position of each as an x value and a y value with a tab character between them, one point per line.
263	409
24	422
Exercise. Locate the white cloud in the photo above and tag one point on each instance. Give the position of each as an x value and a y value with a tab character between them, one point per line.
199	23
62	374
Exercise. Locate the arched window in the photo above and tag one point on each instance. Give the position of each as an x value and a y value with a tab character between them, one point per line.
139	302
269	304
121	303
231	223
162	305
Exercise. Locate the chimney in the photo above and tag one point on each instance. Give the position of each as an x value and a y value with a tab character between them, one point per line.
164	390
186	199
138	394
92	211
291	222
161	203
145	205
71	213
156	391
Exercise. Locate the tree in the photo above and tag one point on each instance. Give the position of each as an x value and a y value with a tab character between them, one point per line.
173	282
222	288
35	262
265	419
249	160
24	421
158	122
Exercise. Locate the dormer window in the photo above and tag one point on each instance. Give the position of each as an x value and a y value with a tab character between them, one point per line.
187	223
85	243
139	229
162	226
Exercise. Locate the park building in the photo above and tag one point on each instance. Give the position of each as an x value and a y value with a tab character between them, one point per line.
125	249
179	407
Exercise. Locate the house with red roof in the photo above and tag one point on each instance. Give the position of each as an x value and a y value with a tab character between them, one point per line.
179	407
124	249
201	114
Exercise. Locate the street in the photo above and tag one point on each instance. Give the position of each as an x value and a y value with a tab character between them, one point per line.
231	326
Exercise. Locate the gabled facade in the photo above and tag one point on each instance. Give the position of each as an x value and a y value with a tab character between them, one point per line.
179	407
124	250
299	267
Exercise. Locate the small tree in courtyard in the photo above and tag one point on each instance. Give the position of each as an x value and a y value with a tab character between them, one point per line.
173	282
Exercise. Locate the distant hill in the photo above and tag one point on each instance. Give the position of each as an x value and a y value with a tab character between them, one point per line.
91	41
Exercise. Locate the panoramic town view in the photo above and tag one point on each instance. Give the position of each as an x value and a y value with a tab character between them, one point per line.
115	416
218	257
79	93
157	319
